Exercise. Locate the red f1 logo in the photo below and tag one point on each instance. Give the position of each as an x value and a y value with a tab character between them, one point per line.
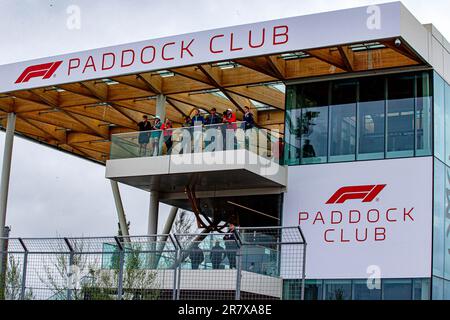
45	70
366	193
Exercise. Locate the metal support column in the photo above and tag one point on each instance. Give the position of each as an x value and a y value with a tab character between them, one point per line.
153	213
70	267
6	172
238	272
121	266
24	270
120	211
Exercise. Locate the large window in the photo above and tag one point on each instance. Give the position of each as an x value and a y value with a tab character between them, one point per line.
400	289
338	289
439	117
424	137
400	116
343	121
357	289
360	119
314	123
371	119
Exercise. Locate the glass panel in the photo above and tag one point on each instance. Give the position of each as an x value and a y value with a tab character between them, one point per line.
292	131
446	290
439	117
400	121
314	135
371	119
438	288
447	124
423	115
446	225
292	289
397	289
343	121
362	292
314	122
438	221
338	289
421	289
313	290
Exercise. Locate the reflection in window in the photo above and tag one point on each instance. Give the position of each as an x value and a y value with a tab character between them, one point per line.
313	123
343	122
438	220
447	127
439	118
362	292
338	289
400	289
421	289
314	129
371	118
438	288
313	290
400	115
423	115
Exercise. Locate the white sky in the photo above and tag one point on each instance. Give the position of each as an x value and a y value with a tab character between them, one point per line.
52	193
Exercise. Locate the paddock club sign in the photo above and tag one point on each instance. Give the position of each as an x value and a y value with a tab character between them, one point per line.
356	215
270	37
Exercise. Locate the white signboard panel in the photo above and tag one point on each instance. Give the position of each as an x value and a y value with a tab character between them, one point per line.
271	37
363	217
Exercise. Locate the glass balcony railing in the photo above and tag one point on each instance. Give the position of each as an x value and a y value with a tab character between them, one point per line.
197	139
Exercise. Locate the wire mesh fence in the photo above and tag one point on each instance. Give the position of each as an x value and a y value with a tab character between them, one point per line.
249	263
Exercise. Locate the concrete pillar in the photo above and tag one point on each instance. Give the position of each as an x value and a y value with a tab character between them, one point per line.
120	211
170	219
153	213
6	167
161	107
167	227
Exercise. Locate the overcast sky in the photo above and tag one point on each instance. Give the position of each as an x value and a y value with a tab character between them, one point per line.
52	193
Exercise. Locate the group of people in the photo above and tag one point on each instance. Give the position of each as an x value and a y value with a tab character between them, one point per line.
217	252
150	132
214	117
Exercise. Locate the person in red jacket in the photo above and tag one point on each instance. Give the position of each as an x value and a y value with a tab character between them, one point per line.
167	129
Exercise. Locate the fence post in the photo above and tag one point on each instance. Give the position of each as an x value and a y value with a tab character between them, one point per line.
121	263
238	273
175	273
24	270
303	272
69	287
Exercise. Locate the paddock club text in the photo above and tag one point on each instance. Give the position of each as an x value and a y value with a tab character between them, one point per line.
356	226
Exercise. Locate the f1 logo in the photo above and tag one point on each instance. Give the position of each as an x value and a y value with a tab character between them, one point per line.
45	70
366	193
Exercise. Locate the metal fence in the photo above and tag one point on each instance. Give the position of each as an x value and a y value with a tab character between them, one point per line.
250	263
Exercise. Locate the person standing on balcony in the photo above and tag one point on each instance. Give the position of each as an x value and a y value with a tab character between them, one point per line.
230	116
249	120
216	255
196	256
249	124
144	136
213	121
231	246
197	119
197	122
213	117
167	130
155	136
229	137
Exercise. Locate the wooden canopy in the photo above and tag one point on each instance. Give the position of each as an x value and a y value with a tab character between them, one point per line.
81	117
